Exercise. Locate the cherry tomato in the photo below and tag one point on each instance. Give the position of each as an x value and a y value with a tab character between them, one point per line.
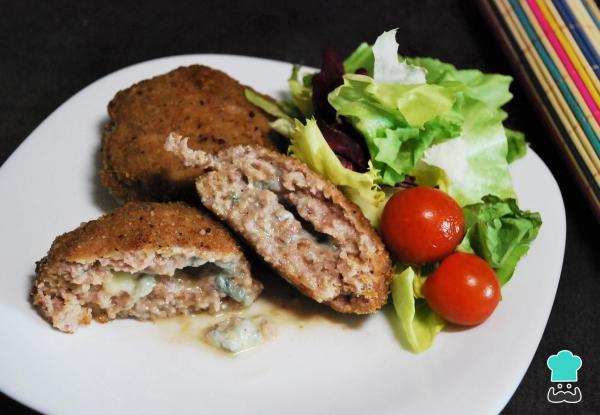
463	290
422	224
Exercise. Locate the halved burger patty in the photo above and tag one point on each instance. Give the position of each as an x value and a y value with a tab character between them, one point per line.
297	221
145	261
204	103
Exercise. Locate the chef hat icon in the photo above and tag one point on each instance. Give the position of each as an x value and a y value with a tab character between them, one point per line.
564	366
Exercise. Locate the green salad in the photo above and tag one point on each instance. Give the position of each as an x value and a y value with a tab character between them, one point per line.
377	124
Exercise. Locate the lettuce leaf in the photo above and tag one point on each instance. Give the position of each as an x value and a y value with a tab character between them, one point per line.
268	105
309	145
388	68
475	164
301	91
517	146
498	231
398	121
361	58
416	324
283	123
491	89
481	142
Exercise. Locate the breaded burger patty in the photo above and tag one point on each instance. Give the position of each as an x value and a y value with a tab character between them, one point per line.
145	261
205	104
299	222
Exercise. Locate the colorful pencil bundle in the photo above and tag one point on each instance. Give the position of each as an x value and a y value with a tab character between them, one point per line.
555	46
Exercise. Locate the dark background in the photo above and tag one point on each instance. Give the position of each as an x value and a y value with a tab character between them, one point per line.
50	50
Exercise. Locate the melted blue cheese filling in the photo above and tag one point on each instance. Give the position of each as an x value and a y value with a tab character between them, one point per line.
226	284
236	334
139	285
136	285
223	274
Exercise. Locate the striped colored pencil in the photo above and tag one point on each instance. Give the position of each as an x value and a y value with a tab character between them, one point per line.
555	48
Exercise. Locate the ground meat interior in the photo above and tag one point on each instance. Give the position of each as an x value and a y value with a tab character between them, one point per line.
103	293
291	222
189	290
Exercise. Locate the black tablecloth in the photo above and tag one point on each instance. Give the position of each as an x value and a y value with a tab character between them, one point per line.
50	50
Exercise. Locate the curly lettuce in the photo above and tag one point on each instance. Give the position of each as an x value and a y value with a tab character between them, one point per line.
283	123
309	145
398	121
301	91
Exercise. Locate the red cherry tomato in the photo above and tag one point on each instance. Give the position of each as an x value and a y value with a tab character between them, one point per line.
422	224
464	289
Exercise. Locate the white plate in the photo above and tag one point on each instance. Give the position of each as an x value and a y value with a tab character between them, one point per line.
49	185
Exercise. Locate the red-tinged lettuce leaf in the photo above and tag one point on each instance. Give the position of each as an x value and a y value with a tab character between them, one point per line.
329	78
346	143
